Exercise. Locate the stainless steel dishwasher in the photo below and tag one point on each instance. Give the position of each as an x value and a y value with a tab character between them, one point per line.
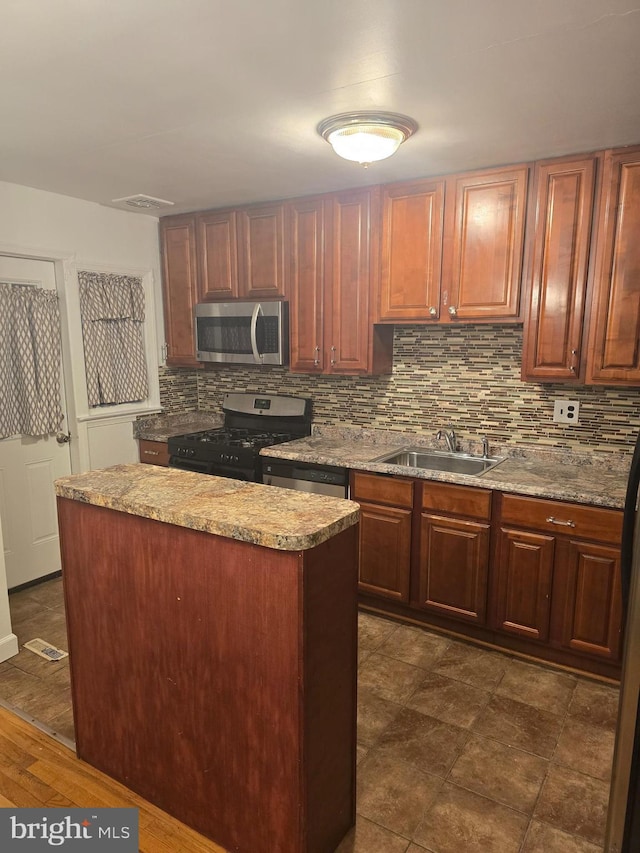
305	477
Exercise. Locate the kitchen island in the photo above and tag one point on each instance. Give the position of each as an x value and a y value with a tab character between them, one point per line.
213	647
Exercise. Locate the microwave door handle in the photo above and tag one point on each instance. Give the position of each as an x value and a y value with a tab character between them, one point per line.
257	309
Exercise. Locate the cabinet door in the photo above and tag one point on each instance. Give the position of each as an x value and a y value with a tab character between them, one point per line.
385	551
217	255
522	585
178	244
412	229
557	272
454	564
347	306
587	599
306	241
484	228
262	251
614	345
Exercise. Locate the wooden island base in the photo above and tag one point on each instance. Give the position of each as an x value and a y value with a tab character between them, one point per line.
214	677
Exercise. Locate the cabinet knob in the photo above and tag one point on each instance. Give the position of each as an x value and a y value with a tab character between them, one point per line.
333	355
453	310
433	311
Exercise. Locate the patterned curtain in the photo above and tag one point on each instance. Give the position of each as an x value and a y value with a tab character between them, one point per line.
30	353
112	312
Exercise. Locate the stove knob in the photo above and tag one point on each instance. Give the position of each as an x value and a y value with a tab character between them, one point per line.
192	452
236	458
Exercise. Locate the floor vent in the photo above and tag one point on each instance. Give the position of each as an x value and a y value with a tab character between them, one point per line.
45	650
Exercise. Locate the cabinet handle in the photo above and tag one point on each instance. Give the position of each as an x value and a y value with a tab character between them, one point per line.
574	353
553	520
453	310
433	312
151	452
333	355
316	360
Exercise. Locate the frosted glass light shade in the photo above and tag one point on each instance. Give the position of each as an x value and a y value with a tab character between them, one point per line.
366	137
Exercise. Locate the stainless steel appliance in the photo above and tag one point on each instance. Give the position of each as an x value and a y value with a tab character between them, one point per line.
623	827
304	477
251	422
242	332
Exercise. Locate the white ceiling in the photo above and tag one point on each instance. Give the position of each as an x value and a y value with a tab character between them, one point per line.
215	102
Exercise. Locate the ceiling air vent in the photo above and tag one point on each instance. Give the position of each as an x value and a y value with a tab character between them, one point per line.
144	202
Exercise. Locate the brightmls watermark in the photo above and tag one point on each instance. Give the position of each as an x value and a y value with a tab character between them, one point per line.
75	829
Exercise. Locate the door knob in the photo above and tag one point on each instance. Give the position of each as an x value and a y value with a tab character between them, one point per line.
63	438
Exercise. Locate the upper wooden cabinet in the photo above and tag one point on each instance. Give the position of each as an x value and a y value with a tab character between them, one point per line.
411	268
333	256
241	253
261	241
557	267
614	341
306	237
484	239
217	255
179	282
452	248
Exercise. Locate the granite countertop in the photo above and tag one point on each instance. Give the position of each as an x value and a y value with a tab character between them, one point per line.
162	426
596	479
249	512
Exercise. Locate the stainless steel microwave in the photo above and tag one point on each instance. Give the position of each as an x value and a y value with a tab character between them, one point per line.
242	332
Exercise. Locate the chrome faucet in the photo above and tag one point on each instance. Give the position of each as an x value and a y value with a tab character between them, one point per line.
450	437
485	446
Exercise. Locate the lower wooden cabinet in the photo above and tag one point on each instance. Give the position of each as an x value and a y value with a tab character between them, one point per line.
587	599
154	452
385	534
558	583
453	555
537	576
523	576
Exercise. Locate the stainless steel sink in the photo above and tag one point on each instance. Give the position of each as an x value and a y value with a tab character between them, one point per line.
436	460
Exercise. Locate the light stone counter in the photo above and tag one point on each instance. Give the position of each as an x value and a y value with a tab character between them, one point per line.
262	515
596	479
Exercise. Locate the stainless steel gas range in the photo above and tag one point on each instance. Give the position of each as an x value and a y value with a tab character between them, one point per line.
251	422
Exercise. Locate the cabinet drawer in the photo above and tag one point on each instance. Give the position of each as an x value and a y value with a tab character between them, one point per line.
457	500
373	488
588	522
155	452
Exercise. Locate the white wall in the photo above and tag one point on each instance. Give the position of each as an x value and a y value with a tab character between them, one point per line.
83	235
8	640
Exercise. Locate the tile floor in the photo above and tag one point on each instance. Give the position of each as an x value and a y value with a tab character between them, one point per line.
37	686
460	749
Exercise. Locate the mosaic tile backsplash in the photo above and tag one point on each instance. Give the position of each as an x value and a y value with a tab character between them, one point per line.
465	376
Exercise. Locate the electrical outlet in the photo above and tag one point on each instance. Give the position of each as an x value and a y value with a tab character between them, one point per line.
566	411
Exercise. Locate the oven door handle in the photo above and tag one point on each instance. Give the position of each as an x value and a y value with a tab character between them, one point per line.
257	309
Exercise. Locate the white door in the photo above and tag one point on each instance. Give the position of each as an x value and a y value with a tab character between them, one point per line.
28	467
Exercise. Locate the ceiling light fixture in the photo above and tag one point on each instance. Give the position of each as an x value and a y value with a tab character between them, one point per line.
365	137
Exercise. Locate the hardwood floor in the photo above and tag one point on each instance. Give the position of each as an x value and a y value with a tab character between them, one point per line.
36	770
